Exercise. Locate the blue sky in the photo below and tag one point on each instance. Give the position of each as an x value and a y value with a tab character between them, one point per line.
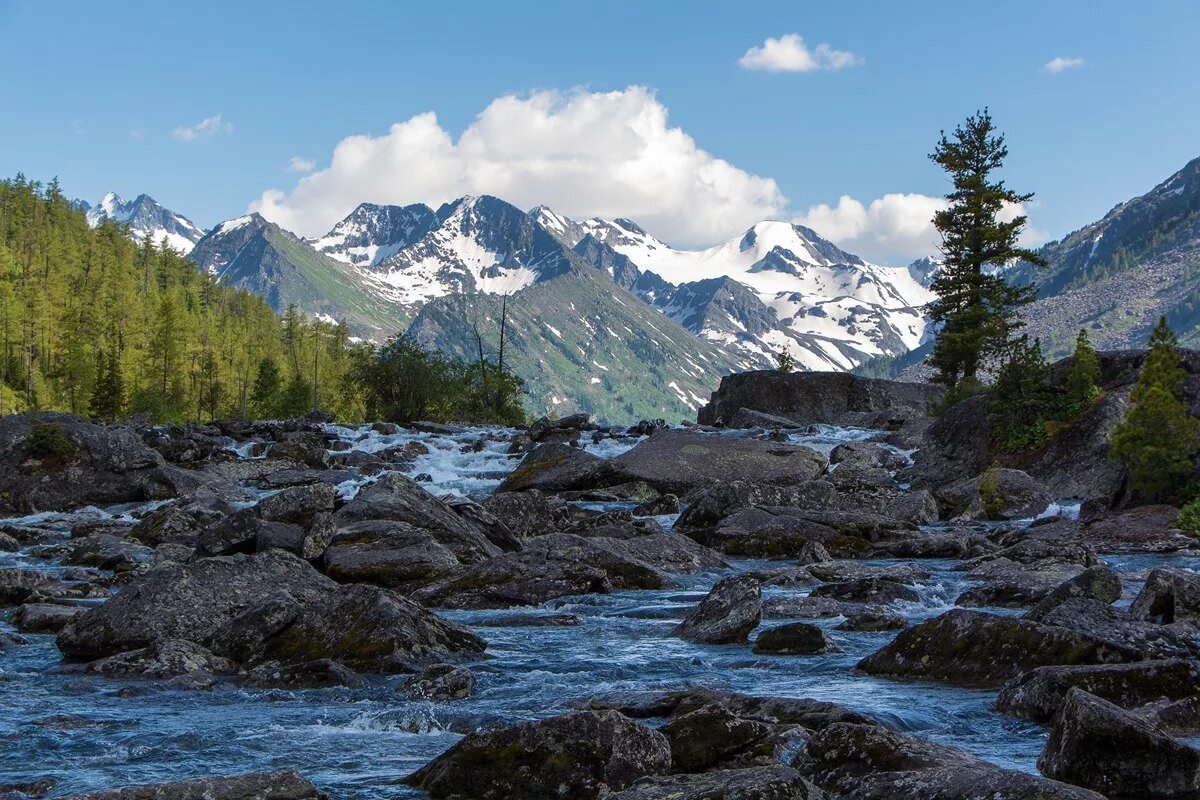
94	92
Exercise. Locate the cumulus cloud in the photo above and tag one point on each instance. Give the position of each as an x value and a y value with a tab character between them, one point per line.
789	53
893	229
582	153
298	164
204	129
1061	63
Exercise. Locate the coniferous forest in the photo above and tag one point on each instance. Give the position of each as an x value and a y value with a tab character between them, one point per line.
94	323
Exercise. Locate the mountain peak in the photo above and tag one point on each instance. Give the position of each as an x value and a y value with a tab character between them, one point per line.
145	217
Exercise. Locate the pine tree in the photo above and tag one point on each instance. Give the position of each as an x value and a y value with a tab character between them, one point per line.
108	394
975	309
297	398
1082	373
264	398
1157	438
1018	398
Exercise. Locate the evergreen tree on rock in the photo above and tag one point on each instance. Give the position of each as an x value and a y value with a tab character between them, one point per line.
976	309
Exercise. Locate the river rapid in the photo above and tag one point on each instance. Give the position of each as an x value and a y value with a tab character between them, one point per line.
88	732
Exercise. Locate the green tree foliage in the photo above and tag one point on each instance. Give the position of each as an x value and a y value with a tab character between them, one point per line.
975	312
990	496
784	361
264	398
1157	438
93	323
1082	373
1189	519
1019	398
403	382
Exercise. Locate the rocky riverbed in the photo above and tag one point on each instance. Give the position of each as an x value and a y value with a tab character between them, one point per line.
800	608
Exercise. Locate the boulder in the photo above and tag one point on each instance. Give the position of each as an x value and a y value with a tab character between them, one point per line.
551	566
558	467
1169	595
870	762
776	782
1019	496
1039	694
873	619
576	756
83	464
107	551
18	585
802	711
796	638
270	606
163	659
1145	529
658	506
320	673
528	513
835	398
43	617
1115	626
679	461
440	682
1096	744
875	590
298	504
282	785
712	736
971	648
727	615
1097	583
386	553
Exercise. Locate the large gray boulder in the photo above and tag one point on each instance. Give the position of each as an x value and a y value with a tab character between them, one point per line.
971	648
680	461
270	606
870	762
776	782
727	615
1018	496
576	756
1039	694
558	467
836	398
1096	744
1169	595
281	785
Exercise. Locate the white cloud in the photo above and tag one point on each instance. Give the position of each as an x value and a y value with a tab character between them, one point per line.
298	164
893	229
582	153
136	133
1060	63
788	53
204	129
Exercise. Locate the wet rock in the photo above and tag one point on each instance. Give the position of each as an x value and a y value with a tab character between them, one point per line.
796	638
713	736
802	711
530	621
646	427
1169	595
873	619
727	615
552	566
870	454
18	585
320	673
282	785
440	682
927	544
303	476
1096	744
776	782
302	447
678	461
813	553
11	640
971	648
493	528
1145	529
805	607
528	513
663	504
835	398
557	467
234	533
392	554
297	504
1039	694
43	617
296	614
308	541
1115	626
163	659
579	756
873	763
1097	583
170	524
39	787
105	551
874	590
1021	496
98	465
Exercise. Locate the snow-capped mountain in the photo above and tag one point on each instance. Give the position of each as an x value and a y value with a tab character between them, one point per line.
146	217
373	233
832	309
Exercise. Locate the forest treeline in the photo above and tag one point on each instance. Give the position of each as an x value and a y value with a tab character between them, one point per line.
94	323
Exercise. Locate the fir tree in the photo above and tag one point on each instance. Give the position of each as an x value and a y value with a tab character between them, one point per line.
1157	438
108	394
1082	373
975	311
297	398
264	399
1017	401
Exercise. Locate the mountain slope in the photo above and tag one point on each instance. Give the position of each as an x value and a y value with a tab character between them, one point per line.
1116	276
145	217
584	344
253	254
373	233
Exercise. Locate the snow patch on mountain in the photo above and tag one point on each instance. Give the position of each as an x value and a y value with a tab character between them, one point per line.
146	218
